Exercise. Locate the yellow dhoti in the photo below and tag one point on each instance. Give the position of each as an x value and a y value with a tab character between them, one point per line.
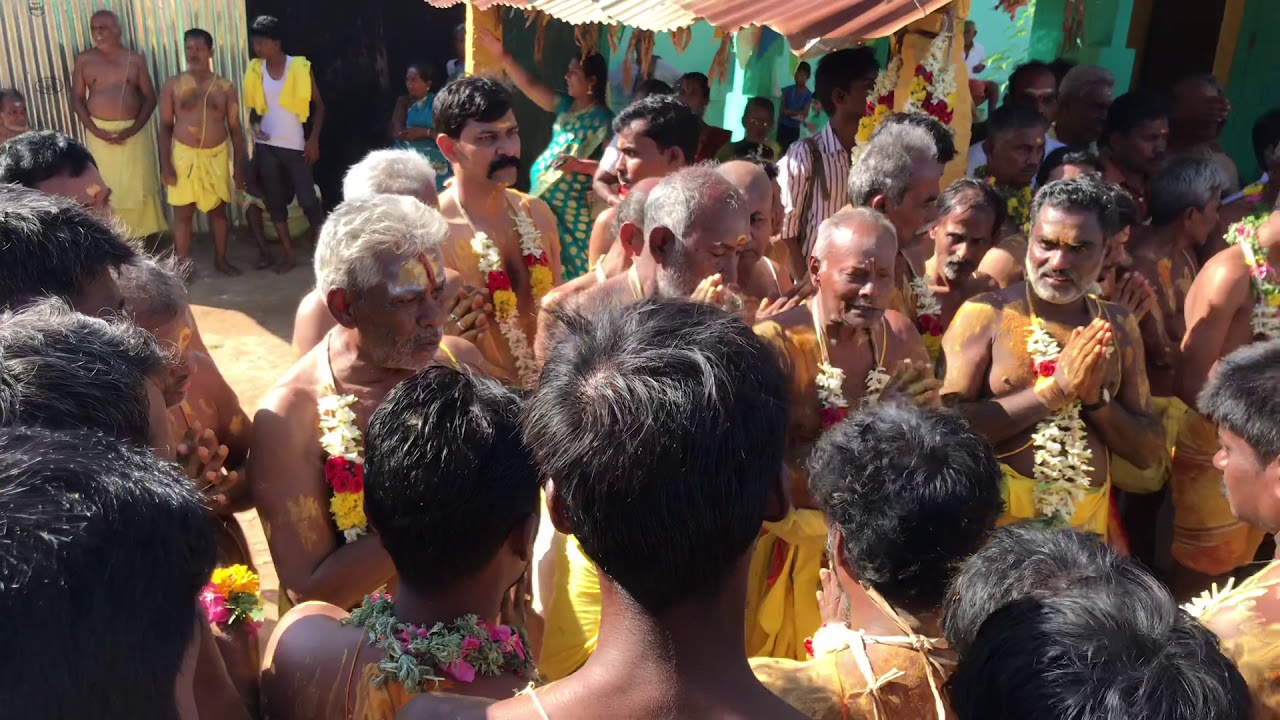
204	176
1092	513
129	169
573	614
782	604
1170	411
1207	536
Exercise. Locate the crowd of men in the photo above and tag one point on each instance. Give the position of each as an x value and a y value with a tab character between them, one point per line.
911	451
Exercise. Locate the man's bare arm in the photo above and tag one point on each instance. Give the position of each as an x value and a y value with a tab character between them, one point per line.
602	236
967	349
1215	297
167	117
317	111
1001	264
234	129
285	471
1128	425
148	93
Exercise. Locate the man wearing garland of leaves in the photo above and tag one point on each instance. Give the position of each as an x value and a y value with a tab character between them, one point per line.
498	238
1055	378
378	264
1234	301
841	349
1015	148
453	492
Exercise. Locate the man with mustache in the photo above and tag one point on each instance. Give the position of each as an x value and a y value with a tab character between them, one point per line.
841	349
13	114
1015	148
113	98
379	266
1054	378
199	112
497	238
1136	139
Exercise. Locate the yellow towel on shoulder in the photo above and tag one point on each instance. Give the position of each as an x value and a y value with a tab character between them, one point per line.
783	613
1091	515
129	169
573	613
295	96
204	177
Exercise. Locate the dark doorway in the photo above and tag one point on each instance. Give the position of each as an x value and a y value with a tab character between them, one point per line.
359	51
1181	40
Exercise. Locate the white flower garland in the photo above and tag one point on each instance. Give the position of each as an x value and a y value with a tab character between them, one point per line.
938	64
830	382
1061	444
340	437
877	379
887	79
926	300
489	260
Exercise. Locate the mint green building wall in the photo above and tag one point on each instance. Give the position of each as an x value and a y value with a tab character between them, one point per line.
1106	33
999	35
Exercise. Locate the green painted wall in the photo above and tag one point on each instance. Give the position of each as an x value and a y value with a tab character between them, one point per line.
1255	74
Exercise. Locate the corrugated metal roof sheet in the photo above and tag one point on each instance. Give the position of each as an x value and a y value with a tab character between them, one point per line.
800	20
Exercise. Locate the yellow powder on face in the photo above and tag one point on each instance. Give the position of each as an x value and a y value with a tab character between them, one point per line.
184	339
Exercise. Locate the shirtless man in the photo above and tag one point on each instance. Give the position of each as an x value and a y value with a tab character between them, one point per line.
1042	358
655	136
13	114
199	111
454	494
1200	111
1261	196
1015	149
1231	303
498	238
1136	139
378	262
760	278
113	98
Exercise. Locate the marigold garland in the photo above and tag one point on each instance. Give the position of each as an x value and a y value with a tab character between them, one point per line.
231	597
933	88
1017	200
505	302
1061	442
879	100
341	440
1265	317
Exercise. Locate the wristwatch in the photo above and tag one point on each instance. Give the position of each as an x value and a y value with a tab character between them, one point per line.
1102	402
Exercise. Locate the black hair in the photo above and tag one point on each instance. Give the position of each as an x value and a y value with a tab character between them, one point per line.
894	479
1109	654
425	70
105	550
473	98
10	93
804	65
1133	109
761	103
1013	117
1266	136
71	371
662	424
651	86
667	122
970	193
1086	193
1025	71
1060	67
700	80
49	245
447	475
840	70
943	138
1029	560
200	34
1066	156
1243	396
39	155
757	153
267	26
1124	211
595	67
1182	184
154	289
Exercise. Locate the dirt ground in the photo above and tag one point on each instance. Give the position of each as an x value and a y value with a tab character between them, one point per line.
247	323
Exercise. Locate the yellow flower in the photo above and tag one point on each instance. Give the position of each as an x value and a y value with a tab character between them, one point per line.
237	578
540	281
504	304
881	111
1274	300
348	510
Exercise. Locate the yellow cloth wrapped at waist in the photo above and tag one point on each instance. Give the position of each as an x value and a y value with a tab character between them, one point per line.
783	613
295	93
1091	513
573	614
129	169
204	176
1125	476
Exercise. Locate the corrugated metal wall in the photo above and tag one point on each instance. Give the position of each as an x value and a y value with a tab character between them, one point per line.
39	40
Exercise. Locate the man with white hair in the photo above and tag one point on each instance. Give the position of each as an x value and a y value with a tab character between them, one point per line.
379	265
1084	96
760	277
842	349
392	172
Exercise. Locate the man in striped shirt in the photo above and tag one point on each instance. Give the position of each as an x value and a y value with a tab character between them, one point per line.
814	172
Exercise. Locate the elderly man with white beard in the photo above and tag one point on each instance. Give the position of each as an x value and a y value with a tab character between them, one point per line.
1055	378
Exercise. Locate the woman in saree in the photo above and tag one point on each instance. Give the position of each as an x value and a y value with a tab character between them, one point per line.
412	123
562	174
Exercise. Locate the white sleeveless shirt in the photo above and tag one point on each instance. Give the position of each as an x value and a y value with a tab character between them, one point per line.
282	128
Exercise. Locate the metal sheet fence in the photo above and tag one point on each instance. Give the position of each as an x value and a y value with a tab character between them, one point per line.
39	40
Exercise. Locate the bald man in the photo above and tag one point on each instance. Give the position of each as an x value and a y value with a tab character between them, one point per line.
759	277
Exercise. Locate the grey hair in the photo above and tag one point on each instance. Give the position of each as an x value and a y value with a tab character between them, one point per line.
1184	183
389	172
886	165
1081	78
630	210
154	289
859	216
679	201
357	230
68	371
